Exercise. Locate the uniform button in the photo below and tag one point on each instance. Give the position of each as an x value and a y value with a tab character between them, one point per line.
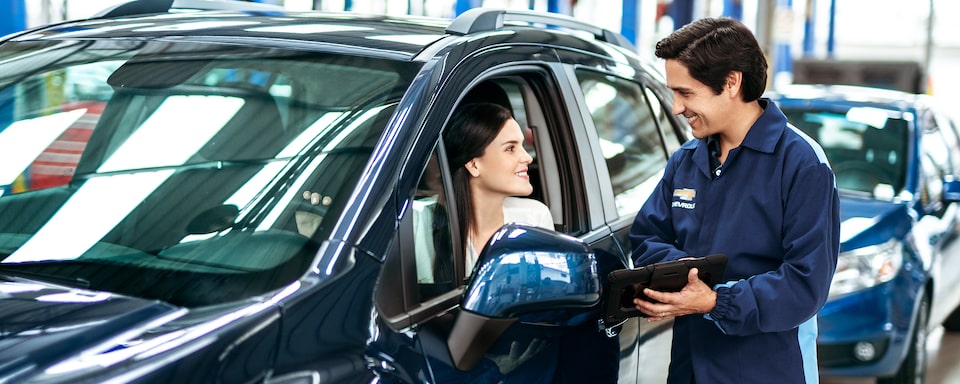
717	172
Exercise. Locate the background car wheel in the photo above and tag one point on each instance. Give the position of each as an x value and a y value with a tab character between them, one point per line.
913	369
952	323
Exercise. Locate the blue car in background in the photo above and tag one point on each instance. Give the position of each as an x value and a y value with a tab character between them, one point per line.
896	157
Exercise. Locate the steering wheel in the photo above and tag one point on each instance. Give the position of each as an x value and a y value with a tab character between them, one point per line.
306	206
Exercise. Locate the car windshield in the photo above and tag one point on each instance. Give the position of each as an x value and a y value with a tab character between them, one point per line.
176	171
866	146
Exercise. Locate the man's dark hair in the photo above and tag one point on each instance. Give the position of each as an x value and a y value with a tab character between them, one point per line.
711	48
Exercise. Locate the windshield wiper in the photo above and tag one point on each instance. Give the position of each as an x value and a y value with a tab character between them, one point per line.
75	282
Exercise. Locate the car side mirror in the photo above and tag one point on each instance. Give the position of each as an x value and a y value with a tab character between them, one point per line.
523	272
951	189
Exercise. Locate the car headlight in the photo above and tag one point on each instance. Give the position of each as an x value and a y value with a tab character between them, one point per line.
866	267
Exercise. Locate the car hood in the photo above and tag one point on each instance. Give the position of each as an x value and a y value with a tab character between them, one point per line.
866	222
41	324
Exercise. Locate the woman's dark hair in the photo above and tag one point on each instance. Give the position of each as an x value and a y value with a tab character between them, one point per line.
711	48
472	127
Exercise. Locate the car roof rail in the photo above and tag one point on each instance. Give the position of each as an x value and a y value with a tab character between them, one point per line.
491	19
143	7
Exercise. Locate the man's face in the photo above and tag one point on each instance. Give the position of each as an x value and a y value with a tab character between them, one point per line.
707	113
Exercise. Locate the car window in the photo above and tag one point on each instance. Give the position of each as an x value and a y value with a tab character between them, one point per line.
934	144
951	138
931	185
157	175
662	113
936	164
866	147
629	133
432	236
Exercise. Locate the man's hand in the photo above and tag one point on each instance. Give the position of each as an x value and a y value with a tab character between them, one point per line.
695	297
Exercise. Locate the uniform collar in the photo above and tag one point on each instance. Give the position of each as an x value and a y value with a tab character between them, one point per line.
766	131
762	136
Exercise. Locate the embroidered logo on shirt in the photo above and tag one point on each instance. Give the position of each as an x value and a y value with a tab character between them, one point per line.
683	198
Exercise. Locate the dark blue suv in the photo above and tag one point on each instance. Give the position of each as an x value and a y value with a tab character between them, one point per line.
153	226
896	157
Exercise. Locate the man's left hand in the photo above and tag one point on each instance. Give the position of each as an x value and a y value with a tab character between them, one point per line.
695	297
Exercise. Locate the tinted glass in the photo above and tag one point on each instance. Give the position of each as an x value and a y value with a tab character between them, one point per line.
183	172
662	113
866	147
432	236
935	163
629	136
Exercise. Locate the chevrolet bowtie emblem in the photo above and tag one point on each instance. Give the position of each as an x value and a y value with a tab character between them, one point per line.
685	194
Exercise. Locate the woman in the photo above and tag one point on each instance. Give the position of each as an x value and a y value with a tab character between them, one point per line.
488	163
489	166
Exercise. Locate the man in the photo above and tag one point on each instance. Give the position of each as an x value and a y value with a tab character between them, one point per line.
749	186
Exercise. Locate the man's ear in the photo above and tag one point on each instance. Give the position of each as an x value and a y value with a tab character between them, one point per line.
733	82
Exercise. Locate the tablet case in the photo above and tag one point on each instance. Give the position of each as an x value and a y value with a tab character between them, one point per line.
623	285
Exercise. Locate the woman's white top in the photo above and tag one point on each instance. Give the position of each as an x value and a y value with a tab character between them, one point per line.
515	210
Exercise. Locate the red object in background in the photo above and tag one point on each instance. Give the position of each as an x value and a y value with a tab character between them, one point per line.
56	164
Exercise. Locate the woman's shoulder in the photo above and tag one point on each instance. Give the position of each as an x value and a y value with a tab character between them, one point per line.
527	211
524	203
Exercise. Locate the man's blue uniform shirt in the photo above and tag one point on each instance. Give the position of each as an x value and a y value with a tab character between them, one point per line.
773	209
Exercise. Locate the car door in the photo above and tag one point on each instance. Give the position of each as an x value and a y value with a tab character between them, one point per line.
427	231
630	120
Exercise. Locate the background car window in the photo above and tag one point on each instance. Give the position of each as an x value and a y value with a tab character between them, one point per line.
934	146
948	128
866	147
936	166
629	136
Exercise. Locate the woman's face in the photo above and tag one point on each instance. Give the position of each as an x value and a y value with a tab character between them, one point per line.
502	169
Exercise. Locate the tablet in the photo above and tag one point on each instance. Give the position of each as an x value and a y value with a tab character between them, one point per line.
623	285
